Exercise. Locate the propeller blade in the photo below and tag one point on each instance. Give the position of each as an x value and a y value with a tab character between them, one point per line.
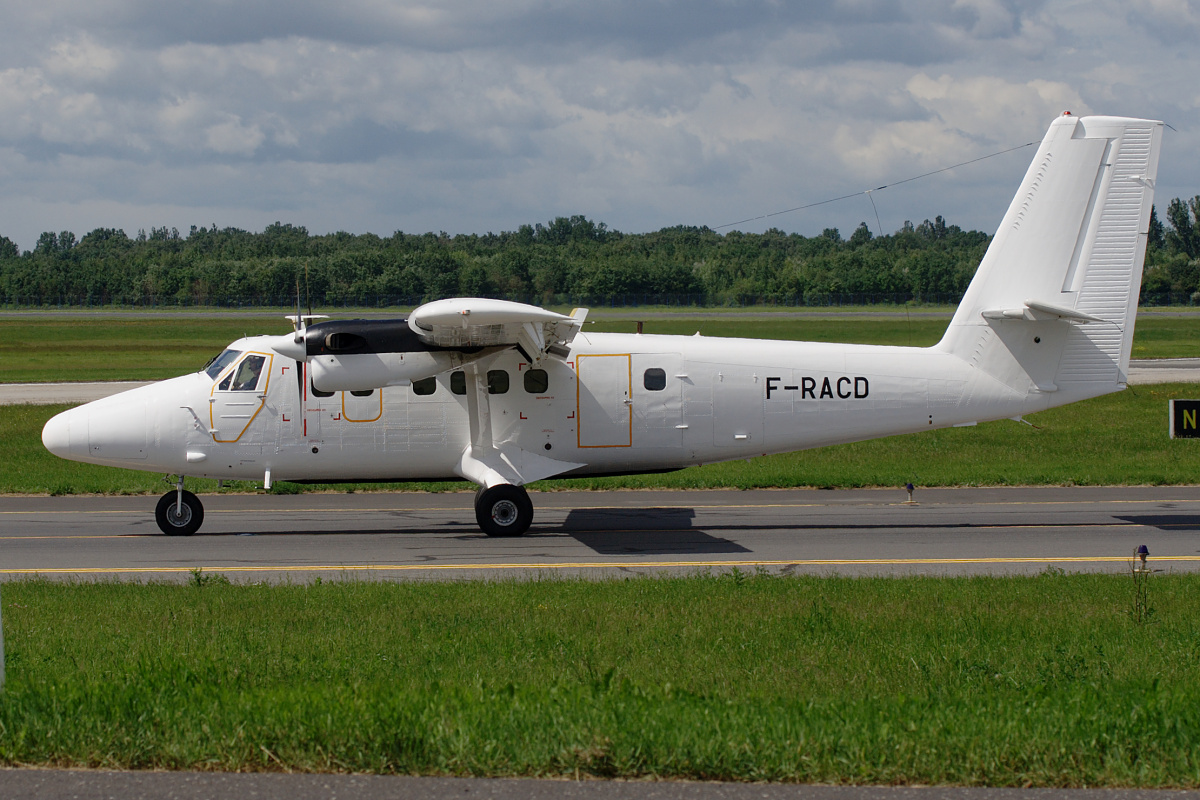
300	369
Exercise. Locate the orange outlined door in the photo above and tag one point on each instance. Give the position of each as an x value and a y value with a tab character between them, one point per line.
238	397
603	400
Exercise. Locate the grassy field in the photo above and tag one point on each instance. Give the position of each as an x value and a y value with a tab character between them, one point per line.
1043	681
133	348
1119	439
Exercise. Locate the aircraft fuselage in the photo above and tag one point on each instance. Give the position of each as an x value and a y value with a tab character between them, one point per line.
616	403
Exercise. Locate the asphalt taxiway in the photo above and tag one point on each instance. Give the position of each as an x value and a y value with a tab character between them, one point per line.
415	536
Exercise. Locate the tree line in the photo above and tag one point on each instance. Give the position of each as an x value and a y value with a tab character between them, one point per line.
567	260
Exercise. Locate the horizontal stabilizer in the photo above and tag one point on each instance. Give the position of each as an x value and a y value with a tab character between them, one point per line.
1035	311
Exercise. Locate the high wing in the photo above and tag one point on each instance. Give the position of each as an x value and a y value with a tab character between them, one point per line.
360	354
465	322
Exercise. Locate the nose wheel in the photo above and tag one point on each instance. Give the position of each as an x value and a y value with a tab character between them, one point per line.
503	510
179	513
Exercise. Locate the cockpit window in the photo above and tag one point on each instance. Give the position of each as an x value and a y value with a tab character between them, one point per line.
248	374
214	367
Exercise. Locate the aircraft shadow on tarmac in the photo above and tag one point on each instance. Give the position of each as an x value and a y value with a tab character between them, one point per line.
607	531
1174	522
643	531
664	531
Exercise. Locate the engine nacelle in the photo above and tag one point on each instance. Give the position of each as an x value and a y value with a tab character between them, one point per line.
358	354
360	372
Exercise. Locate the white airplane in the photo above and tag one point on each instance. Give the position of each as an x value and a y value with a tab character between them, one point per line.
502	394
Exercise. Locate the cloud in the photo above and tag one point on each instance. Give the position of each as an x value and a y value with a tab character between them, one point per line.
231	137
468	115
1170	21
82	59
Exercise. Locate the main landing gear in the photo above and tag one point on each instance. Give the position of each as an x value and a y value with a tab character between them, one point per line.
179	512
503	510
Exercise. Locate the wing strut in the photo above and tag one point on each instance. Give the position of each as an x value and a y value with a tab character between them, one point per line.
488	463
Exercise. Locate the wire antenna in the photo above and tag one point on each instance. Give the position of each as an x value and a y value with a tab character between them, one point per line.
878	224
876	189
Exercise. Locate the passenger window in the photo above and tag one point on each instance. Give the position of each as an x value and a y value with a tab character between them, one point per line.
655	379
458	382
317	392
425	386
537	381
248	374
497	381
366	393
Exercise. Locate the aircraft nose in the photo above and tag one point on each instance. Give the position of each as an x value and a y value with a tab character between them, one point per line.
56	436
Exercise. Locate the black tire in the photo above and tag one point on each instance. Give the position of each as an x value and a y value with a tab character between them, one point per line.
503	510
186	522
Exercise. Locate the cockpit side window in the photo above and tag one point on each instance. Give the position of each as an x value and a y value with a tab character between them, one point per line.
247	375
214	367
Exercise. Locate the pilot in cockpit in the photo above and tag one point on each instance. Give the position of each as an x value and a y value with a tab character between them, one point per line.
247	378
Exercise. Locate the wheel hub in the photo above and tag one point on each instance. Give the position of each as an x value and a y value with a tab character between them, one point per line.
504	513
179	515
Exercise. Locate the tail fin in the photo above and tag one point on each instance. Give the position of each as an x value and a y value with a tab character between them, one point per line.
1052	306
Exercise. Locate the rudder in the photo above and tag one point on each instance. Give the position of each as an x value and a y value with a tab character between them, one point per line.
1052	306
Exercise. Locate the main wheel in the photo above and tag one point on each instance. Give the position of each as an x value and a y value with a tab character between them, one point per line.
503	510
176	520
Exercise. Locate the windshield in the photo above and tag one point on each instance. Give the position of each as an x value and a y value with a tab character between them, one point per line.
214	367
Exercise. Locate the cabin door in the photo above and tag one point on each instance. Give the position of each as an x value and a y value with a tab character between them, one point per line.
603	400
658	400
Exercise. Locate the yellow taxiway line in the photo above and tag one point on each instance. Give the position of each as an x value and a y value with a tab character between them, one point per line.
561	532
847	562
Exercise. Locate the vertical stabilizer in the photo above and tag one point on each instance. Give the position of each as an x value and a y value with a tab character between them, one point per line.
1052	306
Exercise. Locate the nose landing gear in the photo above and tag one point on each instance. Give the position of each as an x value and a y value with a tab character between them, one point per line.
179	512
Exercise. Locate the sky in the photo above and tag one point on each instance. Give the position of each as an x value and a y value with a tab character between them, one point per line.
470	116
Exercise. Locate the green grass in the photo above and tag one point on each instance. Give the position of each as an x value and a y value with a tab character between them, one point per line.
1043	681
132	348
1119	439
80	349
